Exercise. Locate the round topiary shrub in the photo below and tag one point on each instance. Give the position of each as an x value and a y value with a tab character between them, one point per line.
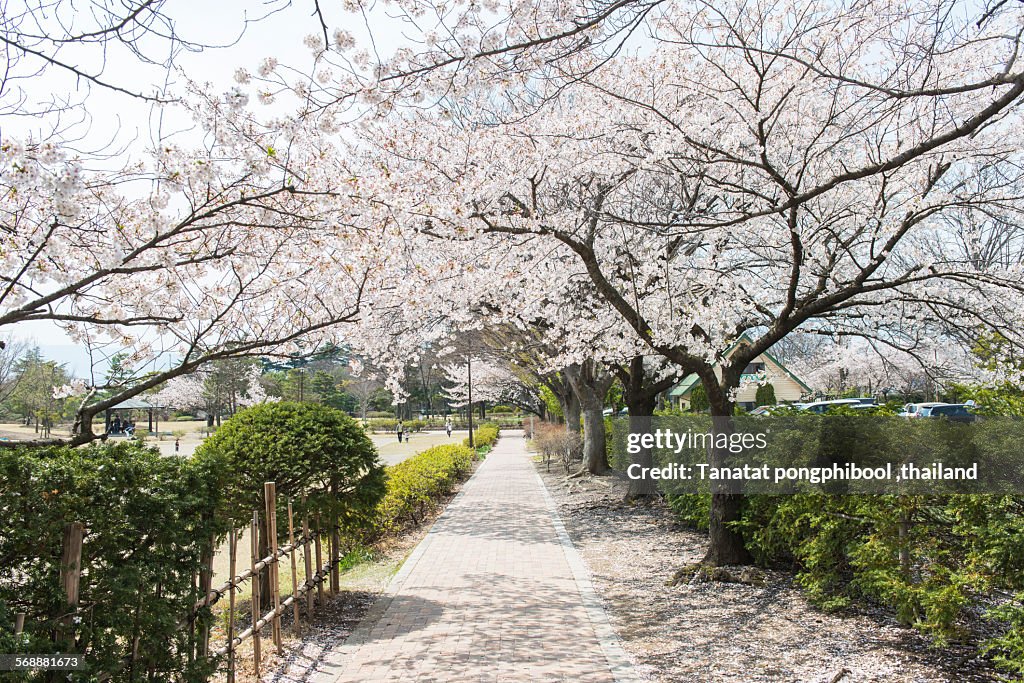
319	457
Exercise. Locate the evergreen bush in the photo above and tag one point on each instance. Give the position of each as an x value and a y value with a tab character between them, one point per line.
148	521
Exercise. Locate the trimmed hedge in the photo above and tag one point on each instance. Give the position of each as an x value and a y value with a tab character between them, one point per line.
148	520
416	486
484	436
390	424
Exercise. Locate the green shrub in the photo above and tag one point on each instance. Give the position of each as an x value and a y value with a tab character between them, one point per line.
848	548
312	452
765	395
484	436
1007	650
318	456
416	485
148	520
691	509
381	424
699	399
929	559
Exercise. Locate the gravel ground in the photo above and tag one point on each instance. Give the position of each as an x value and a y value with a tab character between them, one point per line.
715	631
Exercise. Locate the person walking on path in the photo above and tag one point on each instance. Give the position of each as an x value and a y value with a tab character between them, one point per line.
448	426
399	430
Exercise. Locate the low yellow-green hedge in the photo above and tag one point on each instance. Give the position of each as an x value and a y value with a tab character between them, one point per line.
390	424
415	486
486	435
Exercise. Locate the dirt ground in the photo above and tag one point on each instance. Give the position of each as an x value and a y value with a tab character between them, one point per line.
715	631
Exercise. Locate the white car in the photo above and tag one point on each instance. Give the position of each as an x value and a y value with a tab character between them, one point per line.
821	406
912	410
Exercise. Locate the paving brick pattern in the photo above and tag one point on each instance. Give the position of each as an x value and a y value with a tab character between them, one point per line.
495	592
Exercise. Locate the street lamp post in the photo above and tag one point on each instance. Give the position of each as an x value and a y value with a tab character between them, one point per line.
469	386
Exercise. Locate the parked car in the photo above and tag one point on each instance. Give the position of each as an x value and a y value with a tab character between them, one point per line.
912	410
820	407
957	412
608	412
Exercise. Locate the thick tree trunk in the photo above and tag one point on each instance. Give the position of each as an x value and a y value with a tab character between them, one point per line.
640	422
590	385
595	455
641	392
726	544
571	409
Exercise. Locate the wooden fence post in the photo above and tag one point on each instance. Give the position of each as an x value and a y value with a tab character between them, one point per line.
270	496
335	547
255	545
309	569
319	564
335	561
70	576
232	551
295	570
205	584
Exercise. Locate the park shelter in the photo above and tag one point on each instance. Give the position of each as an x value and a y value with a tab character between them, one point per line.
130	409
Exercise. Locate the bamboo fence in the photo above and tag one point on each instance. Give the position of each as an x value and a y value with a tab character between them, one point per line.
308	542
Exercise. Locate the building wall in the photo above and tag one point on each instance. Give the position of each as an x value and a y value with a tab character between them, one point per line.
787	390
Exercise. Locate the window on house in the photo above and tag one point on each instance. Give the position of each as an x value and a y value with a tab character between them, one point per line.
754	369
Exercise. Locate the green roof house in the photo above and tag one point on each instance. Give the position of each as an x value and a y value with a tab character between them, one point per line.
765	368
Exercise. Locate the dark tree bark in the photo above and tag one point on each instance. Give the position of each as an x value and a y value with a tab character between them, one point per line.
568	401
641	395
572	410
726	544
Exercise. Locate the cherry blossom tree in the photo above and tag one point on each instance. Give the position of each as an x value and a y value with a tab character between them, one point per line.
203	390
492	383
239	247
765	169
837	366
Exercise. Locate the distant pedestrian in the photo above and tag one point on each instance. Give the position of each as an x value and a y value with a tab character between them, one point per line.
448	426
177	445
400	429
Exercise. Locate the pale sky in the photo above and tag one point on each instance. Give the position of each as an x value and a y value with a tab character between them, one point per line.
132	124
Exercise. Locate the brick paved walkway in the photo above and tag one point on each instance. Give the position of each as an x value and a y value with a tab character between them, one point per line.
495	592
